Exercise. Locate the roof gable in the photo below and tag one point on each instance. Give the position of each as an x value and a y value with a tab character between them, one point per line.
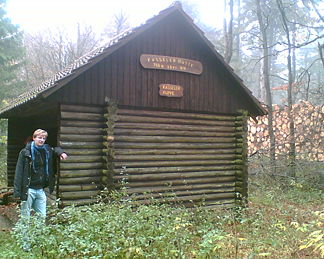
92	58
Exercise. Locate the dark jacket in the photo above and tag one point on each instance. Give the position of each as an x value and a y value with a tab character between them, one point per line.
24	170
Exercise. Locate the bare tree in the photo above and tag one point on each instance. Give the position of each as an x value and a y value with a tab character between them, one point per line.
292	141
118	25
50	51
263	24
228	31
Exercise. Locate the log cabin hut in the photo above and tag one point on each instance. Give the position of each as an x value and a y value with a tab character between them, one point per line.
156	110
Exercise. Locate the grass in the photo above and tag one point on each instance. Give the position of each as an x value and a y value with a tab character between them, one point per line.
281	221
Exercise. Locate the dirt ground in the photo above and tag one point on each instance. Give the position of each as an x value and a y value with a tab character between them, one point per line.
8	216
8	210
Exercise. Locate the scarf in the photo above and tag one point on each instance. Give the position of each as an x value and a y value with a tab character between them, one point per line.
35	150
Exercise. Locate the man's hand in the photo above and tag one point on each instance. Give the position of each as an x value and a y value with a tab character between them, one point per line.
16	199
63	156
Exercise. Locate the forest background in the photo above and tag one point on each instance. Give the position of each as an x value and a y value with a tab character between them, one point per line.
275	46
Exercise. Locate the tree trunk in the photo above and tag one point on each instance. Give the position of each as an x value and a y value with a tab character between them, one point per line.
266	84
292	141
228	32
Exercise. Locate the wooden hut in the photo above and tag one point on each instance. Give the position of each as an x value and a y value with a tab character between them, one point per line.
156	110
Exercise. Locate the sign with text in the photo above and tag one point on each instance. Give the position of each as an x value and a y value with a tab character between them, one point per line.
171	63
170	90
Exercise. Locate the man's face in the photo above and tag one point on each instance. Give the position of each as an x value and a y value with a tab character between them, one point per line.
39	140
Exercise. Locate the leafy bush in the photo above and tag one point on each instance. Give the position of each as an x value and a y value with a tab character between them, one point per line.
283	219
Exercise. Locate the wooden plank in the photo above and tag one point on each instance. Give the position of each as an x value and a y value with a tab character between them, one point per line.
126	158
78	194
158	132
82	130
84	152
179	193
166	176
80	173
78	187
139	119
84	137
128	145
76	202
79	180
83	159
210	186
80	123
175	163
81	116
189	198
175	151
179	115
140	170
176	181
81	108
69	165
161	126
83	145
166	139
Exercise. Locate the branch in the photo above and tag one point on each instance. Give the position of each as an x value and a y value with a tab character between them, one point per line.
316	10
320	49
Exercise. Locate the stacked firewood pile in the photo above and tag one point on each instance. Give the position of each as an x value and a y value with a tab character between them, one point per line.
309	131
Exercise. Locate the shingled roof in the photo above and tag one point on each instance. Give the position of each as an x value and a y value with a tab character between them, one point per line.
93	57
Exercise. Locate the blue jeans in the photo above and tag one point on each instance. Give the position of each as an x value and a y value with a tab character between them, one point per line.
36	200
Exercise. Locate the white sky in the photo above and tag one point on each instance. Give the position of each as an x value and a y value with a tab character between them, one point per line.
34	15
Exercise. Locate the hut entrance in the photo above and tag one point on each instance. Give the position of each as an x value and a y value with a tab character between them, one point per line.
174	156
20	131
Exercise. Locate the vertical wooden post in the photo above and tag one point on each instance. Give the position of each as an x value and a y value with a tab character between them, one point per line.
242	179
110	117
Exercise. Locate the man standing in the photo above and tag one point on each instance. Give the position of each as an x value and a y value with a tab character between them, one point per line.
34	172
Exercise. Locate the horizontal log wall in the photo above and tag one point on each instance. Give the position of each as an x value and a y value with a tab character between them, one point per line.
81	135
176	157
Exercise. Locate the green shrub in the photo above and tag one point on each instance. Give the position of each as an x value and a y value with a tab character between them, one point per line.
279	222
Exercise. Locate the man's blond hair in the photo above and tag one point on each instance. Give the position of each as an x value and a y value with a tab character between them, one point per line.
40	132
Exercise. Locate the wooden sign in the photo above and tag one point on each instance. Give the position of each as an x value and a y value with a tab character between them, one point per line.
170	90
171	63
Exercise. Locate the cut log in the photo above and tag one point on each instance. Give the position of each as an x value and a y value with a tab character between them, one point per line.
83	145
141	170
81	123
83	159
121	158
175	163
157	132
78	187
78	138
140	119
68	166
174	115
81	116
82	108
175	151
165	139
80	180
80	173
157	126
178	181
81	131
130	145
78	195
220	187
184	176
